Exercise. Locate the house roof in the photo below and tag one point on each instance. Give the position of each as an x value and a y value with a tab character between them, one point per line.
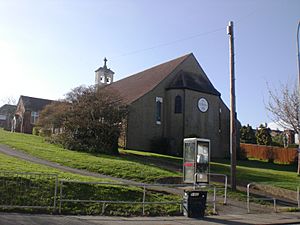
137	85
7	109
193	81
34	104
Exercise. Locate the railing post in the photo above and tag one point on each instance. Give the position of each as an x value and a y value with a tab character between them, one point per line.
214	200
225	190
144	197
225	185
248	197
298	197
274	202
60	196
55	193
103	208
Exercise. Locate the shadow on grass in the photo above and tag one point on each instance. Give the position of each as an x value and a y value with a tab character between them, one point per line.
260	164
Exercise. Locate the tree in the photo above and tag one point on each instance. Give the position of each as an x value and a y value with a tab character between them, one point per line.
263	135
278	139
247	134
53	116
283	104
9	100
92	120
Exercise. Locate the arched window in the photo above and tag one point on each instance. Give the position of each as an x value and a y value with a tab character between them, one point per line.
159	101
178	104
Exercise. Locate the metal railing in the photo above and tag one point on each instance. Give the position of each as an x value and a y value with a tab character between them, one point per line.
268	198
40	190
225	185
298	196
28	190
143	202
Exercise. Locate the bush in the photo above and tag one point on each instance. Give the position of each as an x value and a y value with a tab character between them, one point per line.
36	131
45	132
91	119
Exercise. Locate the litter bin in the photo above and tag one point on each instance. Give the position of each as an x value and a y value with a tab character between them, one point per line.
194	203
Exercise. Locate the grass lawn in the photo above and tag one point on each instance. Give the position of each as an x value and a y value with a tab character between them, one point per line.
36	191
122	166
283	176
149	167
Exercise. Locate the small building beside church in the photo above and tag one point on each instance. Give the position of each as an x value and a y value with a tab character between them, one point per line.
27	113
171	101
7	112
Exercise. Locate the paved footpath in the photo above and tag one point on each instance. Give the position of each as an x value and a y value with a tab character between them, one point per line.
22	155
27	219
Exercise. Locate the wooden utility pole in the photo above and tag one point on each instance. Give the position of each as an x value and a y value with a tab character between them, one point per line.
298	59
232	108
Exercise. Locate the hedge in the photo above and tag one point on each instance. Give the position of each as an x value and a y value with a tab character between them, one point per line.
270	153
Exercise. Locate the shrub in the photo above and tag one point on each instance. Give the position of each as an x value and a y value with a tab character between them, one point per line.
36	131
263	136
91	119
247	134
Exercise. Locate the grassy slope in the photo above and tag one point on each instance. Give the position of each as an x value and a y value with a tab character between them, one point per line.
131	164
18	195
117	166
284	176
11	164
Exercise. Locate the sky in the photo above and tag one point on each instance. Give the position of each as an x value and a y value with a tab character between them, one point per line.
49	47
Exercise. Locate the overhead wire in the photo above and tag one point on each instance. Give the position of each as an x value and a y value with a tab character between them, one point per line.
168	43
179	40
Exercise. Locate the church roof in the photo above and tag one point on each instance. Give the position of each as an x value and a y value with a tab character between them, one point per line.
193	81
135	86
34	104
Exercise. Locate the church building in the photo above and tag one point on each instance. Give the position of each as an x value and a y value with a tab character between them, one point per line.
171	101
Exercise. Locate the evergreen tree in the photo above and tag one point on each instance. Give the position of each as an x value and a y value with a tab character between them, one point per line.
263	135
247	134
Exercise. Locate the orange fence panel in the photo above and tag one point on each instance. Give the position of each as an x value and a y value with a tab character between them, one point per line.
278	154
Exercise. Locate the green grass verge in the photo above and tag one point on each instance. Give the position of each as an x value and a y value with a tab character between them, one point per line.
278	175
122	166
149	167
39	191
283	176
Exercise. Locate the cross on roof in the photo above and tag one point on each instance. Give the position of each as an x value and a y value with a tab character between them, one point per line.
105	60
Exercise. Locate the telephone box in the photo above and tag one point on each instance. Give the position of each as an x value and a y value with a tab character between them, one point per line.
196	158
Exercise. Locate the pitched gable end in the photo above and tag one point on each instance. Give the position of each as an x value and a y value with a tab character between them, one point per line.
137	85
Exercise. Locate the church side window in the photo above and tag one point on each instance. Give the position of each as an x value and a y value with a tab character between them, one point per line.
159	101
220	120
178	104
34	117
